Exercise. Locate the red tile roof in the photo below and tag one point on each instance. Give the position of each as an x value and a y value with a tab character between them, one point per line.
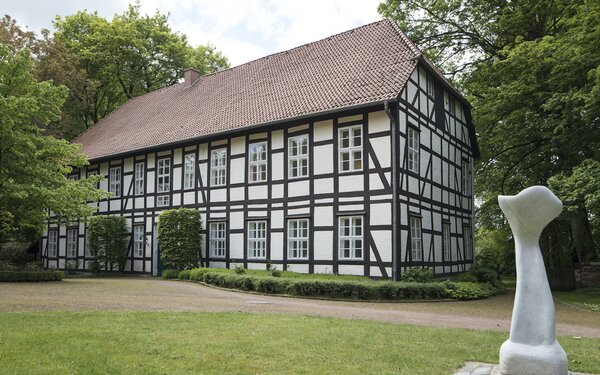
364	65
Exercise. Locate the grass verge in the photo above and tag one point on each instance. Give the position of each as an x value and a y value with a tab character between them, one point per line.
588	299
241	343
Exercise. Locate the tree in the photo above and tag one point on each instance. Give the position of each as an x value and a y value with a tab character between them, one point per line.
15	37
33	165
179	236
531	70
110	62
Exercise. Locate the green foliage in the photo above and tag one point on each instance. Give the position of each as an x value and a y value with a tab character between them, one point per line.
14	255
468	290
106	62
71	266
417	275
107	236
330	288
13	276
239	269
33	165
275	272
179	236
170	274
184	274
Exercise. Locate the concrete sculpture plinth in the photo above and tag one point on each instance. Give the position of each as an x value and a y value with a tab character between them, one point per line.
532	348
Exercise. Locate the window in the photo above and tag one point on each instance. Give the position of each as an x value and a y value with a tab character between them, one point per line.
430	86
298	156
139	178
446	241
217	238
218	167
351	237
466	177
71	243
74	177
164	175
468	242
189	171
413	150
257	239
416	242
52	243
451	105
114	185
298	239
350	147
139	241
257	162
162	201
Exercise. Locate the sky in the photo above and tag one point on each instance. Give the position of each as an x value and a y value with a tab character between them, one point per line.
243	30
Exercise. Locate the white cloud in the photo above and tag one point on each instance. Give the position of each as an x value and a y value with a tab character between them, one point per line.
242	30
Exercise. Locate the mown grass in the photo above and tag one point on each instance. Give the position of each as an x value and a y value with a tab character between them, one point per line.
588	299
243	343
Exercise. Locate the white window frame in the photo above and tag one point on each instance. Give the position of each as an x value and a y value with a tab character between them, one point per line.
297	157
163	175
114	185
72	239
416	239
352	236
446	241
465	177
189	171
163	200
468	242
139	240
217	244
351	149
430	86
257	162
139	178
413	143
257	239
298	238
52	243
218	167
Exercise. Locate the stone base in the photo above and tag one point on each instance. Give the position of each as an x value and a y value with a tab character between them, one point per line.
521	359
480	368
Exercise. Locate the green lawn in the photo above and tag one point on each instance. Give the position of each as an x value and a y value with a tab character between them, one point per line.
588	299
243	343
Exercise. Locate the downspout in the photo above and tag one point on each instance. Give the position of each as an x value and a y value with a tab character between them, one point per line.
394	141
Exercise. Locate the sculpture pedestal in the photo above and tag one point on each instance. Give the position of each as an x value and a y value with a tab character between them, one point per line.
525	359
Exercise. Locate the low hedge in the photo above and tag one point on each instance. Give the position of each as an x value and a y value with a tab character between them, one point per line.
369	290
169	274
31	275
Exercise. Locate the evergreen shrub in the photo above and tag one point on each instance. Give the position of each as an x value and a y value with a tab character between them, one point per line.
179	236
107	236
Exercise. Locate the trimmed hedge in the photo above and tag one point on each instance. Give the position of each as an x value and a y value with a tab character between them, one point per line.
180	235
13	276
170	274
368	290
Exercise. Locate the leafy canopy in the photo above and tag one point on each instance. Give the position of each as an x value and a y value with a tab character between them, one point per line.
33	165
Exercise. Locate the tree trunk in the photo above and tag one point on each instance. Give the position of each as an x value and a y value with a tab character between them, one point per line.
583	241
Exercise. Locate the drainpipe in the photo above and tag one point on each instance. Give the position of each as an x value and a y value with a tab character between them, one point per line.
395	242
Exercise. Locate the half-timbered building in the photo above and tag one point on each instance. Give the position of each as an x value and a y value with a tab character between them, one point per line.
349	155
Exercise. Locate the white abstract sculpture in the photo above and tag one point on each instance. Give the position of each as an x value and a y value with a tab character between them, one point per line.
532	348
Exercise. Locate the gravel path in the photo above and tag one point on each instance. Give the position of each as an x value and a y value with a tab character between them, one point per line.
145	293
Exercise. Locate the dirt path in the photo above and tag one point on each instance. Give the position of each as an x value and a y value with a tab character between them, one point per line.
145	293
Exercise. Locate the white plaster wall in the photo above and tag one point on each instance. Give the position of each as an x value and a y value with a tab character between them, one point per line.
323	130
323	245
323	159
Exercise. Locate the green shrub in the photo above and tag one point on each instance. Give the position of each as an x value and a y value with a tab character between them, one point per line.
94	266
365	290
13	254
179	235
107	237
469	291
275	272
417	275
239	269
31	276
467	277
34	266
185	274
169	274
